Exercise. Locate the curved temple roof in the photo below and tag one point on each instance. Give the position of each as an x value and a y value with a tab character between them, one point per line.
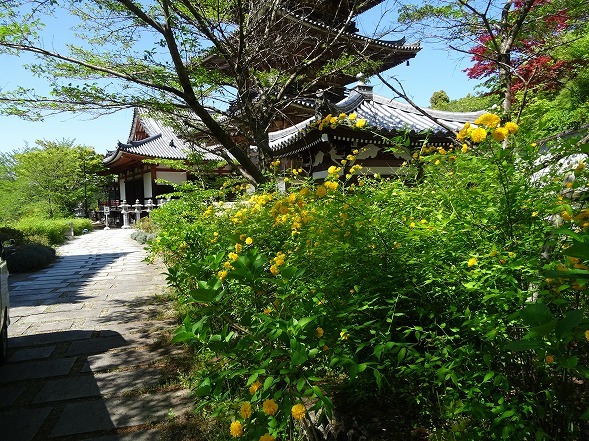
160	142
382	113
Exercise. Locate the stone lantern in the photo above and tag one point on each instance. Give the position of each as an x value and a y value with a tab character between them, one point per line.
149	205
137	206
125	213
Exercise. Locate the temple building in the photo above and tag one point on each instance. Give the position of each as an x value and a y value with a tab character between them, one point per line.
311	134
149	139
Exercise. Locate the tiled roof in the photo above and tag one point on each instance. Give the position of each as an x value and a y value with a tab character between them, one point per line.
390	115
395	44
161	142
381	113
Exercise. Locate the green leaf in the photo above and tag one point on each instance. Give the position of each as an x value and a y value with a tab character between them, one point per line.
268	383
536	314
545	328
299	353
378	378
566	325
578	249
204	388
569	363
488	376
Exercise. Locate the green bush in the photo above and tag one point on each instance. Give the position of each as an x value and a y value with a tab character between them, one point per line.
30	257
409	294
54	230
143	237
8	233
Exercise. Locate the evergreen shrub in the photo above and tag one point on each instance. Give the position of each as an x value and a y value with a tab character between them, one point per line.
29	257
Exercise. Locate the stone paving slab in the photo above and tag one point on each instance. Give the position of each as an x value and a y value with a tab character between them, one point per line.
102	384
32	353
82	361
130	357
36	369
47	339
9	394
93	416
22	425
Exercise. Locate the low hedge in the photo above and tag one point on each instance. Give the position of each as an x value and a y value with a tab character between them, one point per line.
54	230
29	257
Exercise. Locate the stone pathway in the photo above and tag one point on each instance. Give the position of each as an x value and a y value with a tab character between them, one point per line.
84	361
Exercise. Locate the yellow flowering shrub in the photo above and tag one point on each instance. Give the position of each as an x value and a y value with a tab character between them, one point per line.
375	290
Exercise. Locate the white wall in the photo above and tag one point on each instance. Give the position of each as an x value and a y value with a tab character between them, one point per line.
175	177
147	188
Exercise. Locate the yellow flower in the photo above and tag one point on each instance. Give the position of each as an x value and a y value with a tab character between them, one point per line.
344	335
342	116
333	170
242	237
437	162
274	270
352	116
321	191
534	213
233	256
442	151
320	332
412	225
298	411
331	185
511	127
236	429
361	123
587	335
488	119
267	311
222	274
472	261
500	133
249	241
355	151
270	407
246	410
549	359
267	437
464	148
238	248
254	387
478	135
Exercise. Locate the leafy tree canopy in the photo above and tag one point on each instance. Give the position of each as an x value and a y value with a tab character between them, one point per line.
221	71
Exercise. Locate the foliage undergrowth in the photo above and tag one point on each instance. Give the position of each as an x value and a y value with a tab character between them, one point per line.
459	295
52	230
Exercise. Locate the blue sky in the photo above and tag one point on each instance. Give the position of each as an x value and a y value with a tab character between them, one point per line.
430	71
